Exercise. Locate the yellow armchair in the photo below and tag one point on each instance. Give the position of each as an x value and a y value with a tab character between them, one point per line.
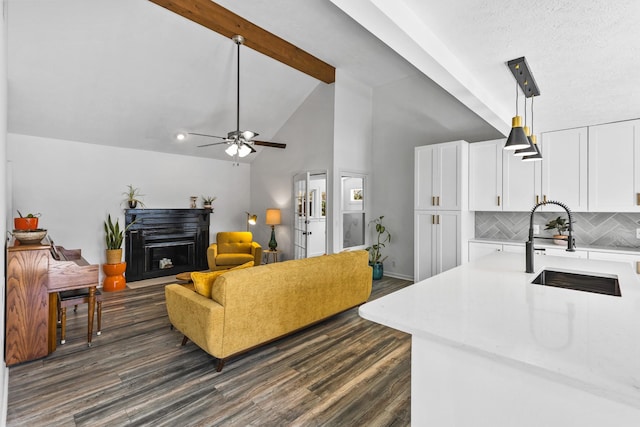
233	248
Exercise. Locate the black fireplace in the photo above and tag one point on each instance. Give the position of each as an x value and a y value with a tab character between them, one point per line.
165	242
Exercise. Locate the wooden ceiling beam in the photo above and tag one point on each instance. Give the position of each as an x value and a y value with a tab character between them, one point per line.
227	23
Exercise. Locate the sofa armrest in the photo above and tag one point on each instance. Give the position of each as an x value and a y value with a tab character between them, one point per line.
199	318
212	253
256	251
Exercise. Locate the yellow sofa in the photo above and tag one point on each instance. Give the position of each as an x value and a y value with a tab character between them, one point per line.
257	305
233	248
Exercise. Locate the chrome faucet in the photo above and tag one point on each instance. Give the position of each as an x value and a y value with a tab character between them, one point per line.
571	243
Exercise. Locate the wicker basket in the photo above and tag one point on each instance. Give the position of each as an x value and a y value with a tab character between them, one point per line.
114	256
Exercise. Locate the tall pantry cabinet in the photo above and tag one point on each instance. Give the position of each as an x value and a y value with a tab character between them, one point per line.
442	221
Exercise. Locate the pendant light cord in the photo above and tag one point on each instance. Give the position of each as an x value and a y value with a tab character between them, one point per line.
516	97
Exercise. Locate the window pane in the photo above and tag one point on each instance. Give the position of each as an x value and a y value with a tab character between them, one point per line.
353	229
352	194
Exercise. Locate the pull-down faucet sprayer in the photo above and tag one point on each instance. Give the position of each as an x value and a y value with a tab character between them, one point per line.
571	243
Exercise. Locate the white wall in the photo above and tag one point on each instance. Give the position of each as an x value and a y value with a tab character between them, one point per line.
4	371
353	139
75	185
309	138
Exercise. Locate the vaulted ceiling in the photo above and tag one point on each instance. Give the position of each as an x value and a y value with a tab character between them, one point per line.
131	73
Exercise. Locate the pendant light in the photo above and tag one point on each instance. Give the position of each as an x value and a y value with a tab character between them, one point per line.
536	156
517	138
530	149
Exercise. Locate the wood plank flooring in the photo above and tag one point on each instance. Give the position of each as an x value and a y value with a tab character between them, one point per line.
345	371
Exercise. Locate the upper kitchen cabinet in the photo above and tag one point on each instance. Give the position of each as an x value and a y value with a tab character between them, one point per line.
520	183
564	169
614	167
441	172
485	175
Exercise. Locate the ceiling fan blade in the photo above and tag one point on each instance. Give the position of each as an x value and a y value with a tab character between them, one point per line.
270	144
205	135
213	143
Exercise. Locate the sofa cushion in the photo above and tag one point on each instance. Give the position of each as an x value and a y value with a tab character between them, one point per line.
203	281
233	259
234	247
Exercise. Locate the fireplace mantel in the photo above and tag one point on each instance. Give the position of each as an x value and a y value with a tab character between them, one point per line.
165	242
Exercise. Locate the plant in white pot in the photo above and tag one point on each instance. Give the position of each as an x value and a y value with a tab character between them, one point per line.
375	255
561	225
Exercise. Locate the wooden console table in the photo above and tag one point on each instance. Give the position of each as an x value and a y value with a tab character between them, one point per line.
34	276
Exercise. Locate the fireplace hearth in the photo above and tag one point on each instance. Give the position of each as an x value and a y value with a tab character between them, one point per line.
165	242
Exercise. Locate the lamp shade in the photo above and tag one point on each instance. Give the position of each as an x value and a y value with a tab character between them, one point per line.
531	149
533	157
272	217
517	138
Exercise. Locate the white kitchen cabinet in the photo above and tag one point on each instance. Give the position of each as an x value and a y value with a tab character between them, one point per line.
614	167
438	242
629	257
485	175
564	169
441	172
480	249
516	249
564	253
521	183
509	184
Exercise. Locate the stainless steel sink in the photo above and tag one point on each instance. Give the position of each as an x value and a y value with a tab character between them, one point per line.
599	284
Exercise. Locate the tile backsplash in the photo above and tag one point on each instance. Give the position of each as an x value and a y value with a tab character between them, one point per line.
616	230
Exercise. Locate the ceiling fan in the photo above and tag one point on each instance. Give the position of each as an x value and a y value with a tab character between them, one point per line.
240	142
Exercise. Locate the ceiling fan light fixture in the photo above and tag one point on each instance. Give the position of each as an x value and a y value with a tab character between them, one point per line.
247	135
232	150
244	150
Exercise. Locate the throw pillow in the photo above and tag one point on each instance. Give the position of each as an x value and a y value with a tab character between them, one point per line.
203	282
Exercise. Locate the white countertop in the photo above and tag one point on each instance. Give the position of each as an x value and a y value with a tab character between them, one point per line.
489	306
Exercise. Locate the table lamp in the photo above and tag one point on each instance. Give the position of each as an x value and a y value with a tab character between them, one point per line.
273	219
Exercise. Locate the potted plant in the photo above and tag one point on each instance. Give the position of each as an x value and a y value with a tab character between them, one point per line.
113	238
560	225
207	202
133	197
375	256
29	222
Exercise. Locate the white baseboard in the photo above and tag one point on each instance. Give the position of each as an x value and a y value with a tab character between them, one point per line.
399	276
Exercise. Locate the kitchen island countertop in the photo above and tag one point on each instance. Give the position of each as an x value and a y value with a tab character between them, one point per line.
490	308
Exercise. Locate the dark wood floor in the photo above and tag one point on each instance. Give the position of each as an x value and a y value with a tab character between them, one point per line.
344	371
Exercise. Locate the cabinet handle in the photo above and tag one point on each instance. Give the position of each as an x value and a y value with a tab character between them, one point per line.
544	198
433	200
498	200
637	198
438	200
437	219
537	199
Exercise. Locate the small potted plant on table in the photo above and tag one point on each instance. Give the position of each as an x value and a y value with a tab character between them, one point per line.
560	225
375	256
